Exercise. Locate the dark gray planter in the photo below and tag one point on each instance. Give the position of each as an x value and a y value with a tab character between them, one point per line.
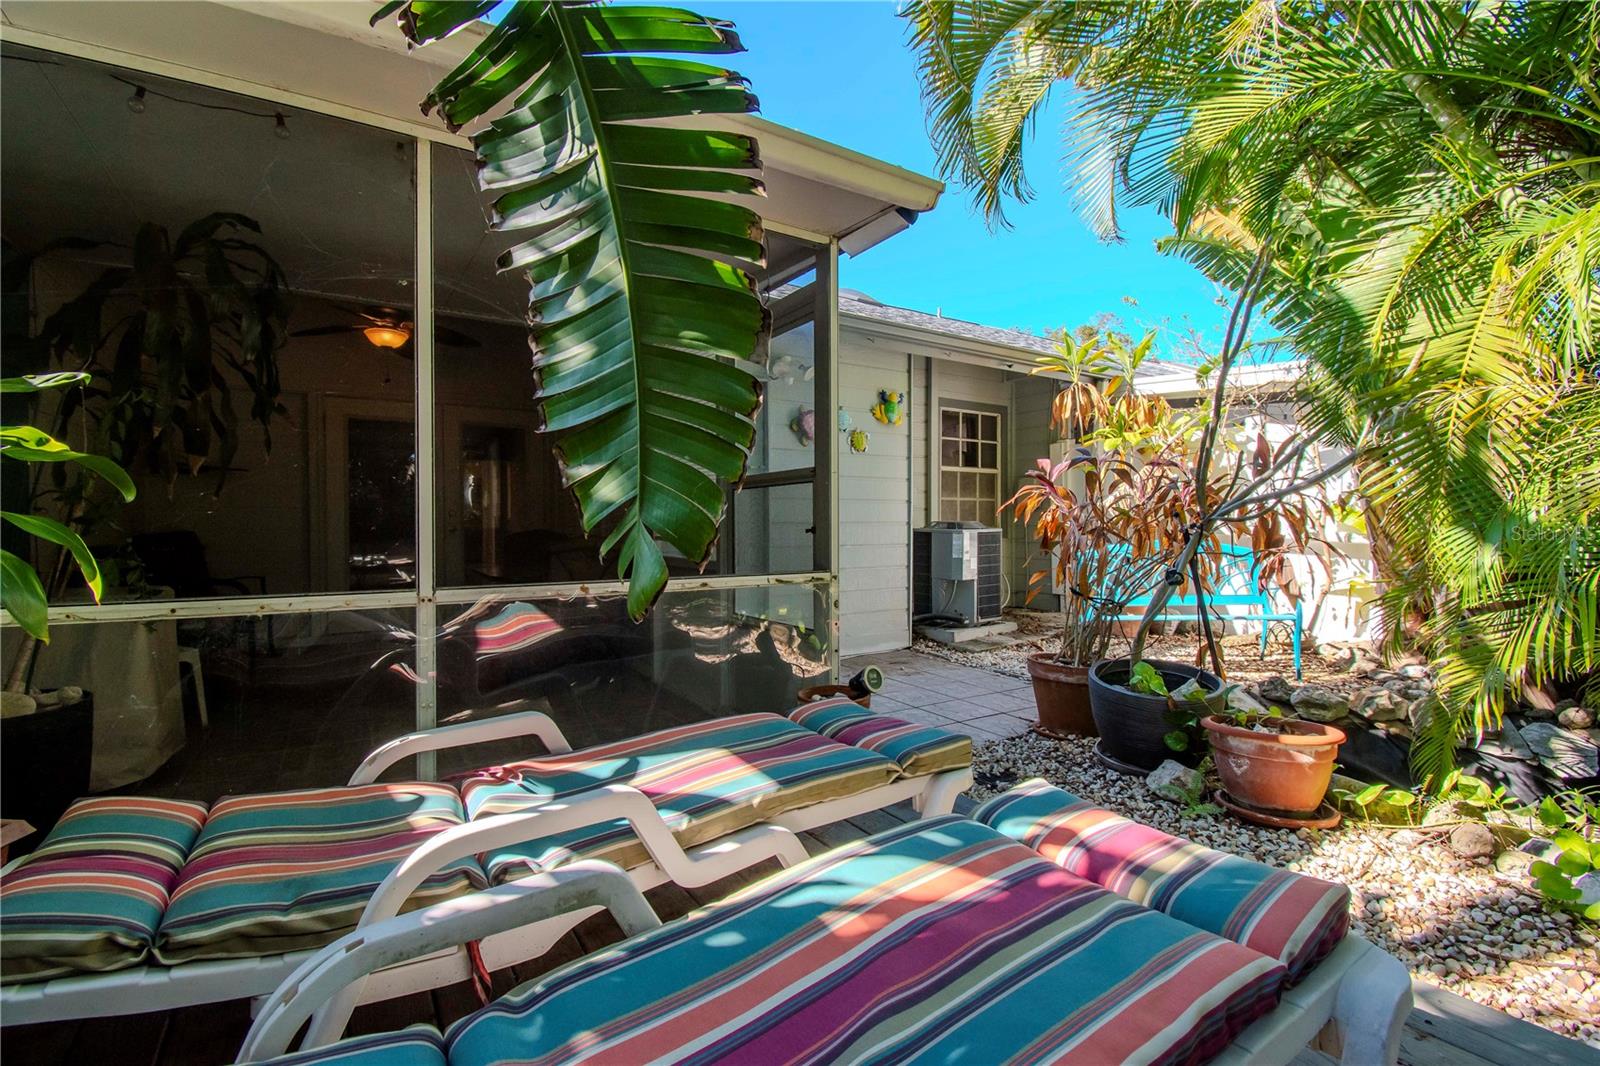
1132	726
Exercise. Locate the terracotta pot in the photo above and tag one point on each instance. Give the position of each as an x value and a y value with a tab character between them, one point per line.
1286	773
814	693
1132	725
1061	693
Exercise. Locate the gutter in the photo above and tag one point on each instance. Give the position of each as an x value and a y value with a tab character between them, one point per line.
946	346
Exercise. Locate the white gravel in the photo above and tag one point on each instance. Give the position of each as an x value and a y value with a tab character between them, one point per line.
1455	922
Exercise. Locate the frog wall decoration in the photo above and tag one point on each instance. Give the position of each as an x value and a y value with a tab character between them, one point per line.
890	408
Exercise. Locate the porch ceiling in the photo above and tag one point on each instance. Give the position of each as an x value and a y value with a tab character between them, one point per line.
324	51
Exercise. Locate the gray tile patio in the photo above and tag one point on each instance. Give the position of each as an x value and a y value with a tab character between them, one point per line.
922	688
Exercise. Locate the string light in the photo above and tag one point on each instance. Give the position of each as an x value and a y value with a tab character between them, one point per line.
138	102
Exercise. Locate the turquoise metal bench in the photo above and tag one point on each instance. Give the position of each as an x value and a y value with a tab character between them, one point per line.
1237	585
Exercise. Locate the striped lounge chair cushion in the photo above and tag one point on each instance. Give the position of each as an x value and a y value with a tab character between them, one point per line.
285	871
89	898
939	941
1290	917
707	779
417	1045
919	750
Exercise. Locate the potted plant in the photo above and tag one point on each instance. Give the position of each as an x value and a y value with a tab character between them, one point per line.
1260	495
1275	767
1086	513
60	723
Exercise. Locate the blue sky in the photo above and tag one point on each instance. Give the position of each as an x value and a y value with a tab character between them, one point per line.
842	71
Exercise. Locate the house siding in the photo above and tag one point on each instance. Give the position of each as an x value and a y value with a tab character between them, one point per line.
890	490
874	501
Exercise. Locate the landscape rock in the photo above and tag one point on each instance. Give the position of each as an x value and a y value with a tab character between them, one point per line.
1531	711
1276	689
1175	781
1514	863
1565	753
1576	718
1241	701
1318	703
1539	848
1589	885
1508	744
1378	704
1413	671
1472	840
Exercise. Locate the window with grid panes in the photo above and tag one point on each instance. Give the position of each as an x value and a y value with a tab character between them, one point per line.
969	465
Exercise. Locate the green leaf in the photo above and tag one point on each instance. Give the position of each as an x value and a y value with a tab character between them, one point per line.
640	298
40	382
1399	797
1146	679
51	530
1368	794
36	446
22	596
1557	887
1177	740
1551	813
1572	843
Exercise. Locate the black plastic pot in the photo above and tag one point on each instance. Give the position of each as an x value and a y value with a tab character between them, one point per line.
44	764
1133	726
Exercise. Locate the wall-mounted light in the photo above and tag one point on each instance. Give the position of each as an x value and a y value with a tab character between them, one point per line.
136	101
387	336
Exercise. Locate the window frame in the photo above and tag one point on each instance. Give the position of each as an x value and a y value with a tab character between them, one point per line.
980	412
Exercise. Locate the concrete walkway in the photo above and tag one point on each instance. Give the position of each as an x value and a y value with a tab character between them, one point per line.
921	688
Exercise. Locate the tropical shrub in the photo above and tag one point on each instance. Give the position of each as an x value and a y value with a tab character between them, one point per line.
1412	194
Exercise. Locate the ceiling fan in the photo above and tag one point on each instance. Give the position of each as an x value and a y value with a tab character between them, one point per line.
388	327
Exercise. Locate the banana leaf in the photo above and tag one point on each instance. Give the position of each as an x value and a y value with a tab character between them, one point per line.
641	289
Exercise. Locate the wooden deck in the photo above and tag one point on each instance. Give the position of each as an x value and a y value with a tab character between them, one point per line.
1444	1030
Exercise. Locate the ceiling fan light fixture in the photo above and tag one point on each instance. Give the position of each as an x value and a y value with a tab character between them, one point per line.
387	336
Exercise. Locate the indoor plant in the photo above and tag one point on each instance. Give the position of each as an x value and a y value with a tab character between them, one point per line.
34	790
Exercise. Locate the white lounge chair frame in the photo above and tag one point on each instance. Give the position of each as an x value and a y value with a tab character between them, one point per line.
156	987
1359	996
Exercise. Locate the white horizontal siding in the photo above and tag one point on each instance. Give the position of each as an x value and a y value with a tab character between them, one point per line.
874	501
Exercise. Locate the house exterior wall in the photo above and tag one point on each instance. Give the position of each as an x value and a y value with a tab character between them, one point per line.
875	501
890	490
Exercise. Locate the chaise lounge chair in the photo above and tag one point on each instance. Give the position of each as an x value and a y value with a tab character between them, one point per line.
1040	930
135	904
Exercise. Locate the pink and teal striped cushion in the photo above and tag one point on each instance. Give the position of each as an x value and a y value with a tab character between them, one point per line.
89	899
939	941
417	1045
285	871
1287	916
919	750
707	779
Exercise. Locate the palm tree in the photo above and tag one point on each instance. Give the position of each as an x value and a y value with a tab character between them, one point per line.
1422	182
